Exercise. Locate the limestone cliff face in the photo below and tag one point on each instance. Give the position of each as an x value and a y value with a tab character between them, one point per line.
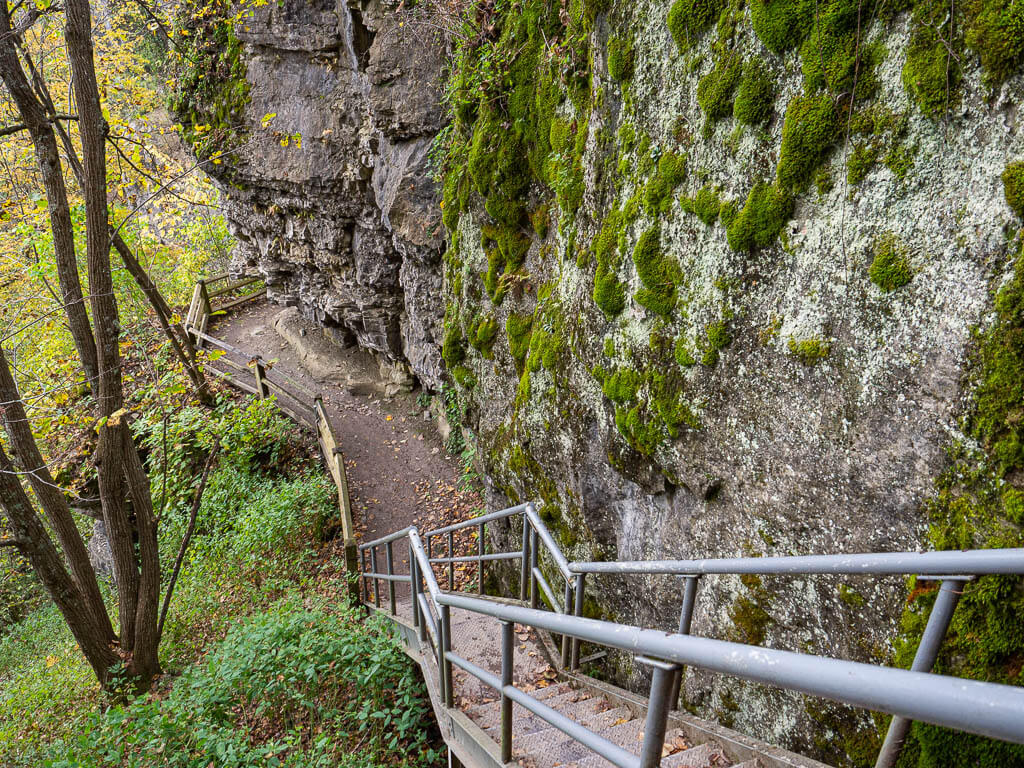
712	281
343	222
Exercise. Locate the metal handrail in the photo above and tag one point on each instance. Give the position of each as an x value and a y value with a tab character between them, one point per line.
974	562
995	710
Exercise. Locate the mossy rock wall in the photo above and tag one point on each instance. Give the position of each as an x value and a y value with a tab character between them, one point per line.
693	354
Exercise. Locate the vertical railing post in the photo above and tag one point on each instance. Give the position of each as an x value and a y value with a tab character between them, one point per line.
524	577
414	585
451	562
507	641
364	579
685	620
568	609
446	665
657	711
390	559
927	651
480	560
577	611
376	581
262	390
534	587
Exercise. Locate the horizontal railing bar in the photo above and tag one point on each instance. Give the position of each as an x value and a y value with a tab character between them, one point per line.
475	558
385	539
976	562
986	709
406	578
602	746
240	300
501	513
232	286
545	535
548	592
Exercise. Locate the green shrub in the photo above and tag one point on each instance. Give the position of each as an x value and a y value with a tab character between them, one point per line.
295	686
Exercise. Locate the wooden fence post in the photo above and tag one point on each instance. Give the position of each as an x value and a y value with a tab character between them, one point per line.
262	390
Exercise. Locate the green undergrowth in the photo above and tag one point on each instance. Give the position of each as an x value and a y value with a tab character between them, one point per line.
980	503
301	683
266	505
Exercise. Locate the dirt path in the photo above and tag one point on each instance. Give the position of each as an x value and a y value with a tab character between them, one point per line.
398	470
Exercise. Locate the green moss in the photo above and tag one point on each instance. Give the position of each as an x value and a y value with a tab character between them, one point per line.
609	347
498	167
669	404
453	348
620	58
641	432
609	292
1013	187
824	182
481	335
831	56
995	31
851	597
689	19
684	353
762	218
755	96
716	338
621	386
518	329
809	132
705	205
809	351
900	159
750	620
715	90
890	267
540	220
658	274
862	160
670	173
931	72
781	24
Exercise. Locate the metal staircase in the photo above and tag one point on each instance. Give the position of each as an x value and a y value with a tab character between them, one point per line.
486	657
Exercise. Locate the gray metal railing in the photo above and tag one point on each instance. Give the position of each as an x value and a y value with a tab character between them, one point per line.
987	709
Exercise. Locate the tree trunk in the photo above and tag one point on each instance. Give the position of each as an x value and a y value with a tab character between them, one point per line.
34	544
35	119
52	501
118	465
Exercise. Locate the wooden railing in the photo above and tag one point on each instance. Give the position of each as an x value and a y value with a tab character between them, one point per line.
252	374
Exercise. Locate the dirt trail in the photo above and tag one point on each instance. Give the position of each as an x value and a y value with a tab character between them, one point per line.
399	472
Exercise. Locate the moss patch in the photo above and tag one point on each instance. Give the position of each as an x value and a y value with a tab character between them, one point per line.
620	58
809	351
890	268
715	90
689	19
1013	187
781	24
809	132
518	329
761	219
755	96
658	273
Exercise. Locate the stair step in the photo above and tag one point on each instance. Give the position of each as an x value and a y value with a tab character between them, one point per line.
607	717
702	756
525	722
755	763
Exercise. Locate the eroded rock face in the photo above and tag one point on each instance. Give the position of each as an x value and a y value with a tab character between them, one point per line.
343	222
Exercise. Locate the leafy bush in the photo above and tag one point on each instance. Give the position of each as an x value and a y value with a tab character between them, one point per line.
294	686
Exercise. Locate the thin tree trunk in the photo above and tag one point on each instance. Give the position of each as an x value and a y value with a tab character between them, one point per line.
34	544
52	501
39	127
117	478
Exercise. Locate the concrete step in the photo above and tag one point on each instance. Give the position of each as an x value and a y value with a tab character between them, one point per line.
755	763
